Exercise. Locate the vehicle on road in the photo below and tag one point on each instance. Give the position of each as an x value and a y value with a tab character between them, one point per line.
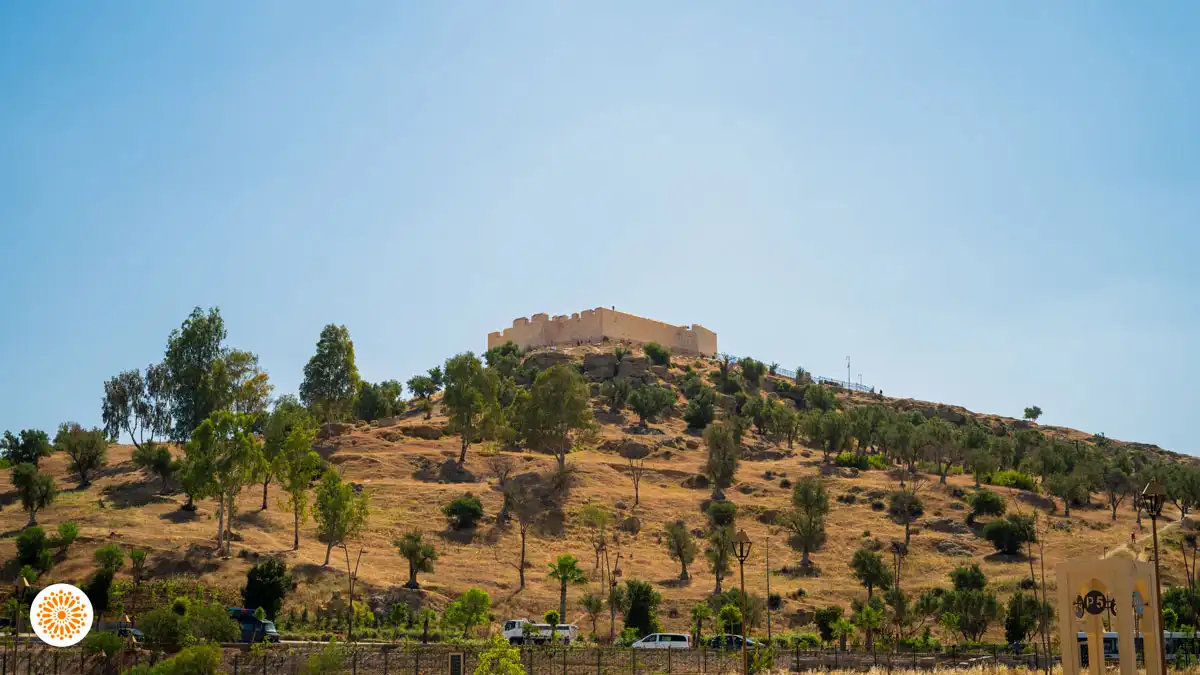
253	628
731	642
664	641
522	631
131	632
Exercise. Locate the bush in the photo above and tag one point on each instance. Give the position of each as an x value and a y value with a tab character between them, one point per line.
164	627
825	618
463	512
808	641
986	503
877	462
267	584
852	460
1012	479
97	590
30	545
110	558
67	532
212	622
1010	533
657	354
106	642
197	660
651	401
701	410
691	384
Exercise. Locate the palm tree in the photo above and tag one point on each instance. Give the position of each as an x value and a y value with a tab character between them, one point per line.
701	612
566	570
419	554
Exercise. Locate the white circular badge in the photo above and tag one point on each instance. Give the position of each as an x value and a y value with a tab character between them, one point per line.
61	615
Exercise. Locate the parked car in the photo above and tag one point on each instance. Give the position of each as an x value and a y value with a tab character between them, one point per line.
254	629
731	642
130	632
664	641
539	633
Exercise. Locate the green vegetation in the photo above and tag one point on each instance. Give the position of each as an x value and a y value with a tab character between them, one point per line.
657	354
341	511
1010	533
463	511
331	379
419	554
651	401
267	584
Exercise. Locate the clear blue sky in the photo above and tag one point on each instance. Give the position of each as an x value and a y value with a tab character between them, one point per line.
989	204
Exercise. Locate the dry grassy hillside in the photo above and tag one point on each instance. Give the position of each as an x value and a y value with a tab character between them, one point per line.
400	472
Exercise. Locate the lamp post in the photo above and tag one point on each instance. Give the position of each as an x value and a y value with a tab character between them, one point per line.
741	548
1153	499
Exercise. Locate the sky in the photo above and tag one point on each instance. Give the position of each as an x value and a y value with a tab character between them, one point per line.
994	205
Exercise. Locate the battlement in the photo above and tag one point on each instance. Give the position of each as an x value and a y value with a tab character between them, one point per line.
596	325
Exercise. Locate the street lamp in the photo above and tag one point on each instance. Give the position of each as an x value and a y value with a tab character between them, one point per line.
741	548
1153	500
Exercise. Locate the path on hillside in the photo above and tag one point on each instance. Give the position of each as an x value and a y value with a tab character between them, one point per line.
1125	546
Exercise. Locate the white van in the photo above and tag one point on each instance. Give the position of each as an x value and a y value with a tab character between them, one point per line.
539	633
664	641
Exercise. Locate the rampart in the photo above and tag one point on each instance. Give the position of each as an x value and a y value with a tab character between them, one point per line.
596	325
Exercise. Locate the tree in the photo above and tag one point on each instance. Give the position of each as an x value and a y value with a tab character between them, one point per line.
1021	617
752	371
869	619
419	554
833	433
1032	413
729	619
341	512
86	450
824	618
974	609
1117	480
376	401
983	462
295	466
470	400
936	440
805	523
558	410
592	604
526	508
138	405
469	610
719	552
463	511
423	387
244	382
500	658
701	612
905	507
701	409
596	519
566	570
35	490
27	448
680	546
870	570
637	468
1009	533
615	393
331	376
155	458
229	449
968	578
267	584
723	454
641	607
287	415
650	402
192	371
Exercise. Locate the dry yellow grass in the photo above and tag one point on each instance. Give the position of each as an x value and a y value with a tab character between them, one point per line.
181	542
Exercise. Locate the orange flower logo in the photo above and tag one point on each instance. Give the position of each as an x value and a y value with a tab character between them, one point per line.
61	615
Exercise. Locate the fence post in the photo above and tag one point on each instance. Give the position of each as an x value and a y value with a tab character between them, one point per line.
385	661
669	650
564	660
353	664
417	663
633	658
235	663
703	656
597	660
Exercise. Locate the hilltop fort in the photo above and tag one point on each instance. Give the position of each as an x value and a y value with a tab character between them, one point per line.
600	324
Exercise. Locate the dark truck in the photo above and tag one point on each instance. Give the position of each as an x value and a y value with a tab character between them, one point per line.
253	628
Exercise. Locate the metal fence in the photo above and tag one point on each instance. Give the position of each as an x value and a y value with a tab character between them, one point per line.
791	374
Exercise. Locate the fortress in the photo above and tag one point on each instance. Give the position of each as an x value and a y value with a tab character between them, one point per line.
597	325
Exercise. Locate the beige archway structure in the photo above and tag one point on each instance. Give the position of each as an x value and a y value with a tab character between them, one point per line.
1089	589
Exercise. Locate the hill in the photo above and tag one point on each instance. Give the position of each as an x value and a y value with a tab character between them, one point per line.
406	465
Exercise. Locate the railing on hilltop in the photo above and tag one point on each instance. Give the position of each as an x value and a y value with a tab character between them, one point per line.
791	374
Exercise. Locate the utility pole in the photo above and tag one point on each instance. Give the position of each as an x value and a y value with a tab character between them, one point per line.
769	589
847	372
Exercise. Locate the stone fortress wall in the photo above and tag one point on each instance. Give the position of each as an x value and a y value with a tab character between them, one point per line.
594	325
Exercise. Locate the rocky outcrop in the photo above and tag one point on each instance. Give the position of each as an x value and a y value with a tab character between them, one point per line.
947	525
543	360
427	432
331	430
599	367
953	548
635	368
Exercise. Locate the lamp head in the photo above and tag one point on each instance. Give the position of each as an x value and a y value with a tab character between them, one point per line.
1154	498
741	546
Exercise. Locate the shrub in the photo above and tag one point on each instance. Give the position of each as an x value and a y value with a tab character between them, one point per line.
986	503
267	584
691	384
212	622
808	641
1012	479
164	627
877	462
852	460
1009	533
701	410
463	512
641	607
30	545
196	660
825	618
110	558
106	642
28	573
651	401
721	513
67	532
657	354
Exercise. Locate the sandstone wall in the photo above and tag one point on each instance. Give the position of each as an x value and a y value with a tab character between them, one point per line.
594	325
